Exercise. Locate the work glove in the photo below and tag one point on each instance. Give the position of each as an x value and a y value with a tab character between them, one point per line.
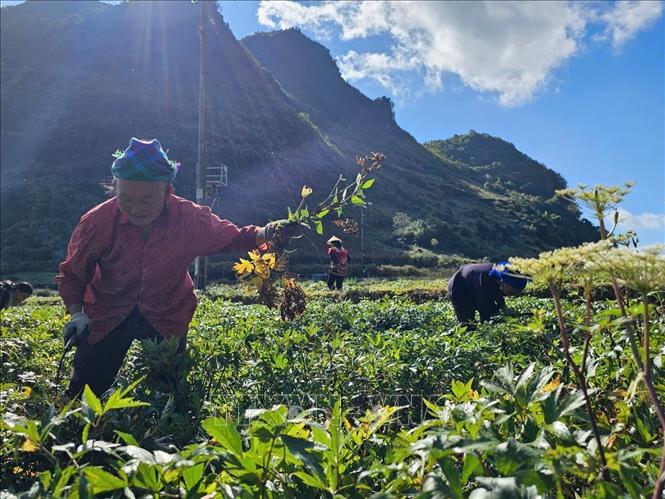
76	329
282	231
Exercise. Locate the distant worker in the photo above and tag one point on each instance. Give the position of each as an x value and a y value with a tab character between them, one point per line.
125	275
339	263
481	287
13	294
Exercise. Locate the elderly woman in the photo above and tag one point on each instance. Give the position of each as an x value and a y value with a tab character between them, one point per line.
125	275
481	287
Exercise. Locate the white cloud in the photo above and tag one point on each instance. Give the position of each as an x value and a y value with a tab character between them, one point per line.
640	222
509	49
626	19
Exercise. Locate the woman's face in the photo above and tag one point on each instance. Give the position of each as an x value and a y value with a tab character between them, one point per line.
142	202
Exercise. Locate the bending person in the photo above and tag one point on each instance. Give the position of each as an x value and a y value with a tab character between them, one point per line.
13	294
482	287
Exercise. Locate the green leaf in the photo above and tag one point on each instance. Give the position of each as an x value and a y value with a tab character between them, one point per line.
318	226
147	478
128	438
103	481
225	432
471	465
45	478
436	487
461	390
83	489
311	480
92	401
192	475
433	408
118	401
63	480
450	470
322	213
136	383
553	409
368	183
511	455
301	449
85	432
491	387
29	429
357	200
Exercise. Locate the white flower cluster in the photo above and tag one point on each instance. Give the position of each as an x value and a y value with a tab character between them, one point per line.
642	271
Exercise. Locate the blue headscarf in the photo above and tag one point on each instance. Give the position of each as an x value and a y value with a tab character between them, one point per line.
516	281
144	160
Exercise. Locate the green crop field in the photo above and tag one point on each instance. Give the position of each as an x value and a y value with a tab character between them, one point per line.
384	395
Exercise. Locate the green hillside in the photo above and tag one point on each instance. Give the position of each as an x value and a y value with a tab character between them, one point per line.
75	88
473	194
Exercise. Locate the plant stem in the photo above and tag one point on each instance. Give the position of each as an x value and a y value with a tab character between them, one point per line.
581	380
620	301
630	332
660	481
587	321
264	475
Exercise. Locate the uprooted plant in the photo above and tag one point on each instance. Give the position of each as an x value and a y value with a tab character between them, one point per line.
262	271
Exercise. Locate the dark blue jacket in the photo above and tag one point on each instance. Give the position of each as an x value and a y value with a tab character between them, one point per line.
471	288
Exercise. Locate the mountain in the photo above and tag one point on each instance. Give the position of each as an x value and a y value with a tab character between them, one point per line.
79	78
498	161
473	194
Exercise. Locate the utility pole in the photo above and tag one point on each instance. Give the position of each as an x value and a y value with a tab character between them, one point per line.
362	240
201	263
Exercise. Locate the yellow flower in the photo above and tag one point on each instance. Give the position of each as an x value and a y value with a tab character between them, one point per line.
254	255
269	259
261	269
29	446
552	385
26	391
243	267
306	191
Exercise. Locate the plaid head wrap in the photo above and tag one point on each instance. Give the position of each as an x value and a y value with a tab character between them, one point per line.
503	273
144	160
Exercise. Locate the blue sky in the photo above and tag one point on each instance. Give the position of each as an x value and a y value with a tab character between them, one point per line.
598	118
579	87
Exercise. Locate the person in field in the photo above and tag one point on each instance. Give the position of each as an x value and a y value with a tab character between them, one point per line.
339	263
482	287
13	294
125	275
